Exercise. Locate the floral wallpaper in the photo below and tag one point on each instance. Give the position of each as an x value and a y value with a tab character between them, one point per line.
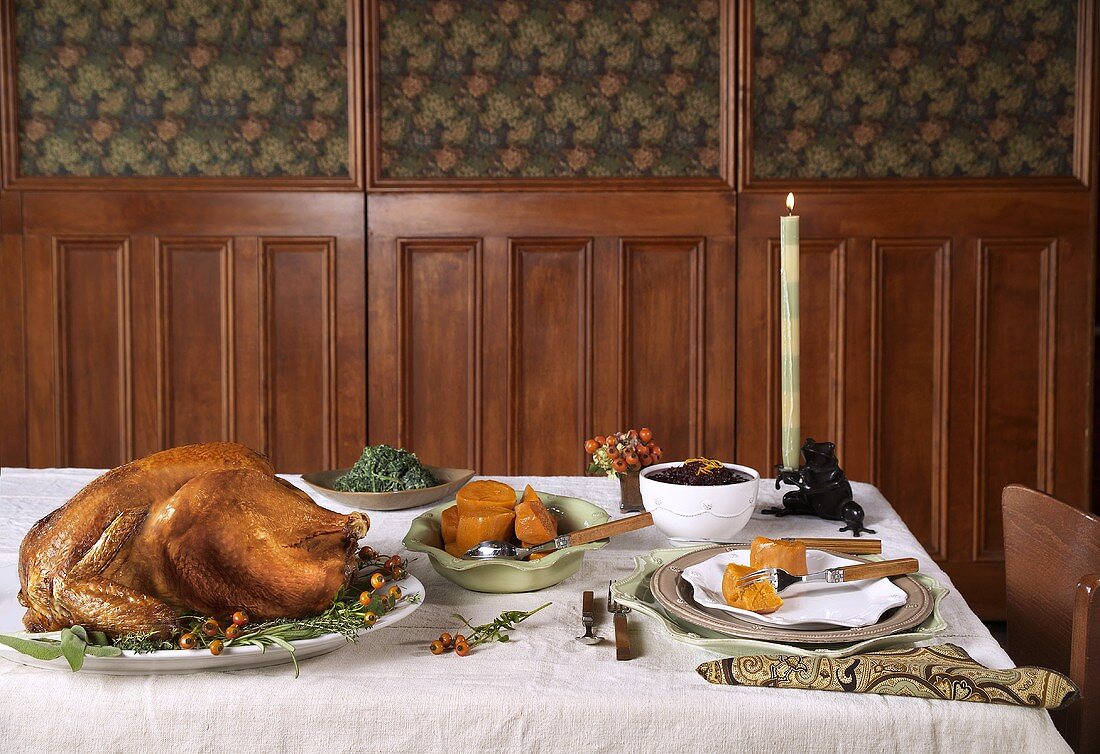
913	88
549	89
253	88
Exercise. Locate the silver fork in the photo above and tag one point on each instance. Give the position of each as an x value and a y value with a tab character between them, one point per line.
781	579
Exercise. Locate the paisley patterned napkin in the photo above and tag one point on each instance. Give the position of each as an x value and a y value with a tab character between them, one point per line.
944	671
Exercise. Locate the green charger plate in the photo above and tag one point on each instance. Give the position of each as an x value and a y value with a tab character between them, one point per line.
634	592
508	576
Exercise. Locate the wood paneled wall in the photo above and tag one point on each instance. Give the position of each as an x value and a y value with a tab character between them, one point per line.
520	323
496	323
151	320
946	348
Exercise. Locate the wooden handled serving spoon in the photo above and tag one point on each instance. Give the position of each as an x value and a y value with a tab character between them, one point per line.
508	551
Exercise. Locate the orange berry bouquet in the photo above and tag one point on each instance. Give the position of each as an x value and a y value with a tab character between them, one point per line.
622	452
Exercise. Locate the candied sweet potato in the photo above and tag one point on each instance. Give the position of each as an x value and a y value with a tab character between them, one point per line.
485	493
771	553
534	523
759	597
452	548
484	525
448	522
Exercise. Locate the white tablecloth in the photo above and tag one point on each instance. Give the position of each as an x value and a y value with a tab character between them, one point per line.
544	691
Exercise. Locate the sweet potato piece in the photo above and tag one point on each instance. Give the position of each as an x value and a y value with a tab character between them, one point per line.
534	523
452	548
759	597
771	553
485	493
483	525
448	522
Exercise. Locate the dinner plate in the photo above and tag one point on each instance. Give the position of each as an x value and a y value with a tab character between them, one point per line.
450	482
853	604
184	661
676	595
634	591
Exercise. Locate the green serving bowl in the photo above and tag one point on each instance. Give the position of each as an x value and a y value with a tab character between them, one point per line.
508	576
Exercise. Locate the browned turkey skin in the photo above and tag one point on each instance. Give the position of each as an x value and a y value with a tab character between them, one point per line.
199	529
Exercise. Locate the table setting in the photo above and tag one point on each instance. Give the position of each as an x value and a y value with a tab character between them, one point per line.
676	604
670	693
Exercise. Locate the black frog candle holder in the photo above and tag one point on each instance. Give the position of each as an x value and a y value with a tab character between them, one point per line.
823	489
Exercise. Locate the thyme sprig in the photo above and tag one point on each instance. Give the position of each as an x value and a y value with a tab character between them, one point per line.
496	631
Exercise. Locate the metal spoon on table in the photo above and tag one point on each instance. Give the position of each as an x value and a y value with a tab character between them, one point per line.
508	551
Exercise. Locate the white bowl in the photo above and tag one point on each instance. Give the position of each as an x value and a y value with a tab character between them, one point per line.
714	513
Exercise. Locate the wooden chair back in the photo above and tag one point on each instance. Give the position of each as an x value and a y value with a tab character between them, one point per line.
1052	575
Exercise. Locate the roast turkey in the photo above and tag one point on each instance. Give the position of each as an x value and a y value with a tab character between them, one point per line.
196	530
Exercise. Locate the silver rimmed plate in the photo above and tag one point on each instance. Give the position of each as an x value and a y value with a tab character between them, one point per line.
819	605
677	597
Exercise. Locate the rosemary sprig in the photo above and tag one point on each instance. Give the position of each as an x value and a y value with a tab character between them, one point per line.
498	628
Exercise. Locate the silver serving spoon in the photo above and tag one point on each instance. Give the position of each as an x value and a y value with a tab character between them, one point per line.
501	549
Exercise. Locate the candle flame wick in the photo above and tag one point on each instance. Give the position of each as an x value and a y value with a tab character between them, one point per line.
790	203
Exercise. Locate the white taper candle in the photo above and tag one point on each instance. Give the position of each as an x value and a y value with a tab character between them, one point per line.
789	342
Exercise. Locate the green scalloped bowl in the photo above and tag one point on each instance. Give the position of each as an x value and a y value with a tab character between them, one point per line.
509	576
633	591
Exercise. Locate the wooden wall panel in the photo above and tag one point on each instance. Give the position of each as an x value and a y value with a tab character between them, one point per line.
908	352
662	340
297	345
235	332
964	351
439	331
1016	304
195	339
92	350
596	310
13	392
550	307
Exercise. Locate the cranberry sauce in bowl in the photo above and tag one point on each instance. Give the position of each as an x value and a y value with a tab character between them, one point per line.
699	500
699	472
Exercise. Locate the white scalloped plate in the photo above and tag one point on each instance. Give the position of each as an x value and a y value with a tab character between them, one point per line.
178	660
807	606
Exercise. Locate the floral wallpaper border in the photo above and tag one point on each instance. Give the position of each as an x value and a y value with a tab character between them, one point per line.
544	89
883	89
249	90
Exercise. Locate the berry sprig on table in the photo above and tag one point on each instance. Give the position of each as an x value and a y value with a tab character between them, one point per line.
622	452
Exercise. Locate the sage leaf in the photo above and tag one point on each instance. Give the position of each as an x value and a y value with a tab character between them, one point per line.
72	646
98	638
38	649
81	632
102	651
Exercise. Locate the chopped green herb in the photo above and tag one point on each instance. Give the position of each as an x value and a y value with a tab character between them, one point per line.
382	468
